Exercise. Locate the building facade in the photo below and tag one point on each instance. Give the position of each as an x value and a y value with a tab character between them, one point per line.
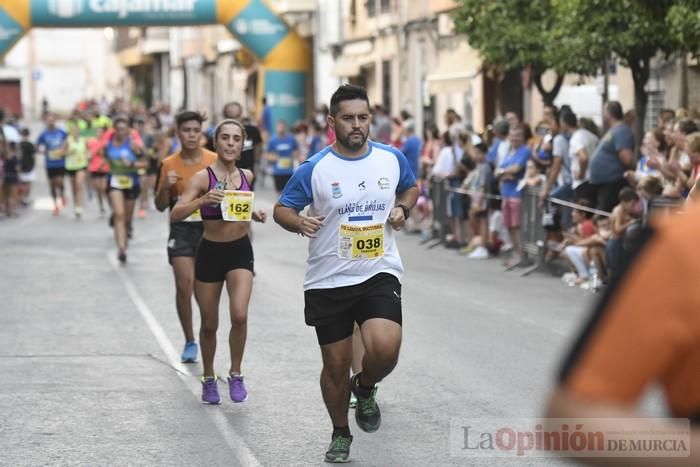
60	67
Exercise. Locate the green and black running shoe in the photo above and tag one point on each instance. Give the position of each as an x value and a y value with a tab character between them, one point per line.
339	450
367	414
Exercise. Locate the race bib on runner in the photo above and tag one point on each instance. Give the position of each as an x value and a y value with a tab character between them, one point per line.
55	154
81	159
284	163
361	242
194	217
122	182
237	206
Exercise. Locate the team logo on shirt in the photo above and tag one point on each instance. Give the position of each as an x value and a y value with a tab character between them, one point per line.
335	187
384	183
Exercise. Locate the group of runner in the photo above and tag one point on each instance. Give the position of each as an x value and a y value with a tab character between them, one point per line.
352	286
107	152
355	267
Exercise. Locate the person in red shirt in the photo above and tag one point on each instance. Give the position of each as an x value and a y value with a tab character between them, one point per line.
98	167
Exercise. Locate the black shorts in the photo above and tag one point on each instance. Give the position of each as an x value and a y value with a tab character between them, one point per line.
130	193
98	174
183	239
281	182
214	260
71	173
55	172
333	312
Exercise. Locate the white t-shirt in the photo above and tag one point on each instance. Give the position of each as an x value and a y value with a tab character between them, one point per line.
502	152
351	193
11	134
560	148
447	161
581	139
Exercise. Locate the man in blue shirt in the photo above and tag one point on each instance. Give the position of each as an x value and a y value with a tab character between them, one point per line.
50	143
411	147
509	173
614	156
282	150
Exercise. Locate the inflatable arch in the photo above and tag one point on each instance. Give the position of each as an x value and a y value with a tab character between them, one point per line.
284	55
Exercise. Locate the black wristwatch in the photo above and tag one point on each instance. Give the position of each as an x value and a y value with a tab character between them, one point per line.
404	208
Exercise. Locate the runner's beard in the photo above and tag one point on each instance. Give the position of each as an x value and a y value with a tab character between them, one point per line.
353	146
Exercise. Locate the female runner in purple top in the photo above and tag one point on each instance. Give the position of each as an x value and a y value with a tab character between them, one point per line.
224	255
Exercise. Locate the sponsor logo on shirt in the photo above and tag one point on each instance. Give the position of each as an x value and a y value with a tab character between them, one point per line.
335	187
361	186
384	183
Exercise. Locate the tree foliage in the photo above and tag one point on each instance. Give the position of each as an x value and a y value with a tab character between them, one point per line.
684	24
633	30
511	35
574	36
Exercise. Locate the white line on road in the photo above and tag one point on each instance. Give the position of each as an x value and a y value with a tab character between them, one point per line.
243	454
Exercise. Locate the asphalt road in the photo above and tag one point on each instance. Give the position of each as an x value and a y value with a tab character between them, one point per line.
89	352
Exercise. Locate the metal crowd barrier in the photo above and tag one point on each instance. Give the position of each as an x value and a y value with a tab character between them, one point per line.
532	233
438	195
665	204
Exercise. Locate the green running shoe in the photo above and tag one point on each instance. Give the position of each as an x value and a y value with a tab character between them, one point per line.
367	414
339	450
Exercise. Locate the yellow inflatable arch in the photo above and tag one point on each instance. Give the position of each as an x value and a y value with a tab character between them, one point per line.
284	55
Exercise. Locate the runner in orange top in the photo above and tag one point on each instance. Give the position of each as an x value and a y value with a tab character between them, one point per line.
646	330
173	177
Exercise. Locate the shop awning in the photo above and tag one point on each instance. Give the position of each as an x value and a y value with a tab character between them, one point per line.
447	83
132	56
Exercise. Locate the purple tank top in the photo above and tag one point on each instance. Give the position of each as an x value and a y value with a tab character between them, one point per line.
210	212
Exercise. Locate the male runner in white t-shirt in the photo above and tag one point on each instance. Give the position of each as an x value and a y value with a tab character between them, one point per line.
358	192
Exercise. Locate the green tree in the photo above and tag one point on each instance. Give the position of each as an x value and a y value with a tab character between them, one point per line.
684	23
512	35
634	30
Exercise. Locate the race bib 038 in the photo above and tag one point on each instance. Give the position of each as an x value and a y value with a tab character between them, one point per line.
357	242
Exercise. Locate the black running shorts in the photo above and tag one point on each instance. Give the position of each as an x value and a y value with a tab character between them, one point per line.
129	193
333	312
72	173
53	172
214	259
183	239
